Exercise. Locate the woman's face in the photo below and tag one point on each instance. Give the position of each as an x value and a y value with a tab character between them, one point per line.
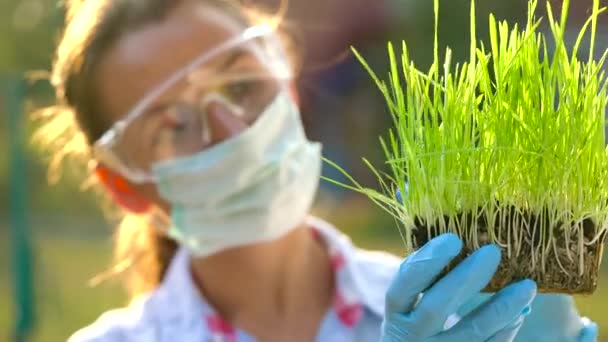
169	128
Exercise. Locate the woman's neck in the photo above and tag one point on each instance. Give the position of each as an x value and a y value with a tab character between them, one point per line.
274	290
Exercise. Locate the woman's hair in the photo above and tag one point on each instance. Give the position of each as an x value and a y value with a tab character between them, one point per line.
92	28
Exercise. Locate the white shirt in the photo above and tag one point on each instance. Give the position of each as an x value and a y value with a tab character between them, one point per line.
176	311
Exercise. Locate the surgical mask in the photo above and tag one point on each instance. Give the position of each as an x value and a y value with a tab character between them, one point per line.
254	187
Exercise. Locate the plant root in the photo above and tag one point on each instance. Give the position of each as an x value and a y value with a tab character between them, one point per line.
561	259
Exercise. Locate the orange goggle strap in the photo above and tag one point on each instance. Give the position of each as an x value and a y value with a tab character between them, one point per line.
121	191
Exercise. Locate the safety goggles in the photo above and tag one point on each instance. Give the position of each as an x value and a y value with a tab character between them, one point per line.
239	77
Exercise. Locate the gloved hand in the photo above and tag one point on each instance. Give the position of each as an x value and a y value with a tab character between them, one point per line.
412	317
589	332
555	319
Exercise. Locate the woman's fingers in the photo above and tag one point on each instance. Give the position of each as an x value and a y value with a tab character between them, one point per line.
408	318
418	272
461	284
509	333
499	318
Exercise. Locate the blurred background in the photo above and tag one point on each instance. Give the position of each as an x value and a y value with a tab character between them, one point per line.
55	239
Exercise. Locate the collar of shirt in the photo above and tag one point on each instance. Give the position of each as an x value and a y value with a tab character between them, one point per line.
355	291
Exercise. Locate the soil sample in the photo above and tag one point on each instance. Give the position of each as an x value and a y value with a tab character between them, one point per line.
561	258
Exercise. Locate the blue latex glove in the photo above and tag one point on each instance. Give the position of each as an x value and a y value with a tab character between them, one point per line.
412	317
398	196
590	331
554	319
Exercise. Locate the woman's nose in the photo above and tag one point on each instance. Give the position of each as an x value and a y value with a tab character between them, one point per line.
224	123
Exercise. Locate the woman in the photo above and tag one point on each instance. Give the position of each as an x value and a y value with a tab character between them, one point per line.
186	112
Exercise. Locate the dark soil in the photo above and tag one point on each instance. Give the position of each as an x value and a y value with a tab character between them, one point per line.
525	227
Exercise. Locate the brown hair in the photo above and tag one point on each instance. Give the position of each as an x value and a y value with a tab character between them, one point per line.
92	27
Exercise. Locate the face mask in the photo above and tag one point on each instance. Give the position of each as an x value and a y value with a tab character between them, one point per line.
252	188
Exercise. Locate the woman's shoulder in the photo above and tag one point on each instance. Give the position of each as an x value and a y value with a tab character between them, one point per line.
374	271
169	311
382	261
379	264
131	323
